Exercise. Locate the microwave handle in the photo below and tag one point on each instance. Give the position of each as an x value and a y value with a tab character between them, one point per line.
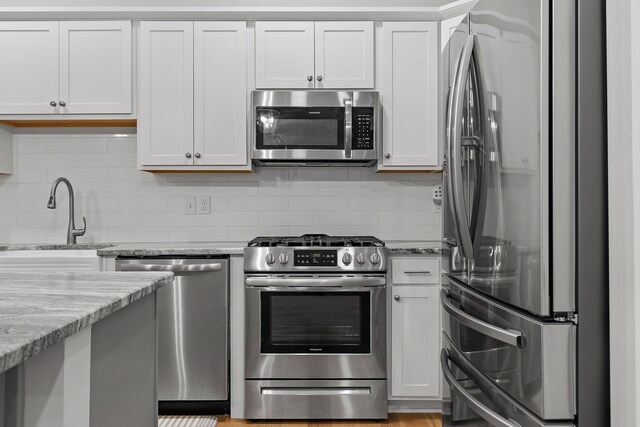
348	126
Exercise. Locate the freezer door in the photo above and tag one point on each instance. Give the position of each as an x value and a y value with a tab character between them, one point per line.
504	193
470	398
532	361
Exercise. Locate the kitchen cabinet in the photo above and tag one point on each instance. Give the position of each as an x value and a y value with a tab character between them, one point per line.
65	67
165	116
409	58
193	96
314	55
415	328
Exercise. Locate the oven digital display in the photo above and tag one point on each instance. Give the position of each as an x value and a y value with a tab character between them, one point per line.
315	258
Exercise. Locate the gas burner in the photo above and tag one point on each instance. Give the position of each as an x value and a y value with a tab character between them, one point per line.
317	240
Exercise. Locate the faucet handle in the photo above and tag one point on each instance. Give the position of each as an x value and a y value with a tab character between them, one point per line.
81	231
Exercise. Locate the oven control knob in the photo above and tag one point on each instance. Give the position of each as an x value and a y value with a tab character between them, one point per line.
347	258
374	258
283	258
360	258
270	259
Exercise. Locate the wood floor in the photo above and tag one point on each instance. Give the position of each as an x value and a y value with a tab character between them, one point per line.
395	420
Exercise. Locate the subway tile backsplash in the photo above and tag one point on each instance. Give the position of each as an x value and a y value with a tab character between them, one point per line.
123	204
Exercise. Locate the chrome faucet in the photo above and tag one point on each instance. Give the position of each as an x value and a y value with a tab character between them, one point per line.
72	232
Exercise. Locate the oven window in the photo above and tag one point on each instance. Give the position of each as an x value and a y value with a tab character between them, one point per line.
315	322
300	128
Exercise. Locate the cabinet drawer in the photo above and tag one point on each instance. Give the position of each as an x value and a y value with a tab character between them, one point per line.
412	271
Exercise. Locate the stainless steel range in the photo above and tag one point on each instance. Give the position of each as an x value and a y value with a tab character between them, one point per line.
315	328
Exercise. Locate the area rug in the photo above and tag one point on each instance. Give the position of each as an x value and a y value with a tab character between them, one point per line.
187	421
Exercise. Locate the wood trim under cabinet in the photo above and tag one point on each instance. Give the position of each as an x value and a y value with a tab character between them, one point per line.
89	123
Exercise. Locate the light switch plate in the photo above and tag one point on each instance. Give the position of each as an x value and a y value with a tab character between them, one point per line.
204	205
190	205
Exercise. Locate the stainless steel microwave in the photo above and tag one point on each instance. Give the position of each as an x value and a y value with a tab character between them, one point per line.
315	128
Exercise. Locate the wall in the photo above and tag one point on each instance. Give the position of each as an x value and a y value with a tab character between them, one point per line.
623	66
123	204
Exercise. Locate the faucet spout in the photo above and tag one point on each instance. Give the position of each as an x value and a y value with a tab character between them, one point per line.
72	232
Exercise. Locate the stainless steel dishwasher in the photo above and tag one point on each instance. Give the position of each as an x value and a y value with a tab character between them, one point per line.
193	331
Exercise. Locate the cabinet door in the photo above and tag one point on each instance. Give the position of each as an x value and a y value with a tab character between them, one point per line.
29	70
165	116
284	55
409	93
344	55
95	67
415	328
220	73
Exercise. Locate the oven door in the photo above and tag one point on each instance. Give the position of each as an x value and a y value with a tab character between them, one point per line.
315	327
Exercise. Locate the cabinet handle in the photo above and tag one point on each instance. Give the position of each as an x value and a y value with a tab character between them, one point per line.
309	78
62	103
387	156
319	78
53	103
396	298
197	155
188	155
417	272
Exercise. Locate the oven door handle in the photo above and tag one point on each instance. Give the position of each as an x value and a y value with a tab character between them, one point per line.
316	282
487	414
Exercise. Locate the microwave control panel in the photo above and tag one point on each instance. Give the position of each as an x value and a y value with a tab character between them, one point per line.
363	126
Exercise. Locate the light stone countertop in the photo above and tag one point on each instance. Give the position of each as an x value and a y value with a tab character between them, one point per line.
38	310
111	250
186	249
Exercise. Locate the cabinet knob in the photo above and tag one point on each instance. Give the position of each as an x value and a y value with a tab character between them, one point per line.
188	155
387	156
197	155
62	103
53	103
309	78
396	298
319	78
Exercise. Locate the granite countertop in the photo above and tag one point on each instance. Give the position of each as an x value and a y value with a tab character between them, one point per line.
413	247
54	246
38	310
190	249
394	247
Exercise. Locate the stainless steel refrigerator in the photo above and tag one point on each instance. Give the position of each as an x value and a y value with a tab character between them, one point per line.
524	296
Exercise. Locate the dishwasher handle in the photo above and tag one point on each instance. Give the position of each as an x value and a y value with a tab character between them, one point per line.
175	268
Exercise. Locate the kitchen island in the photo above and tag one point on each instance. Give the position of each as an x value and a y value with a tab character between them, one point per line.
78	349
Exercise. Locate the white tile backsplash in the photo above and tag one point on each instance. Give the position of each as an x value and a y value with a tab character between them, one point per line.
123	204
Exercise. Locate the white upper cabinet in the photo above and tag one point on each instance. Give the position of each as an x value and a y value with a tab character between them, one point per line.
284	55
165	116
344	55
320	55
220	79
95	67
409	95
29	71
52	67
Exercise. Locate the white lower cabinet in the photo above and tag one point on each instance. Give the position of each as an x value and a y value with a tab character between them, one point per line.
415	329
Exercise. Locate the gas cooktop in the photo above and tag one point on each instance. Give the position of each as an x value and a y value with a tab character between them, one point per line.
317	240
315	253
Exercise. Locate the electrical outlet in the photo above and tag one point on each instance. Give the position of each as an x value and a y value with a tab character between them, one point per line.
204	205
190	205
437	199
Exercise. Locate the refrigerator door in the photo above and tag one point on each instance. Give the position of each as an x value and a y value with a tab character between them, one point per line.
532	361
501	186
470	399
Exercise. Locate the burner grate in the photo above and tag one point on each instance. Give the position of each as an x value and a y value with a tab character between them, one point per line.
317	240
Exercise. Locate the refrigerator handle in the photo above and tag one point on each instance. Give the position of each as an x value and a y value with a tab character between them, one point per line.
454	141
487	414
508	336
